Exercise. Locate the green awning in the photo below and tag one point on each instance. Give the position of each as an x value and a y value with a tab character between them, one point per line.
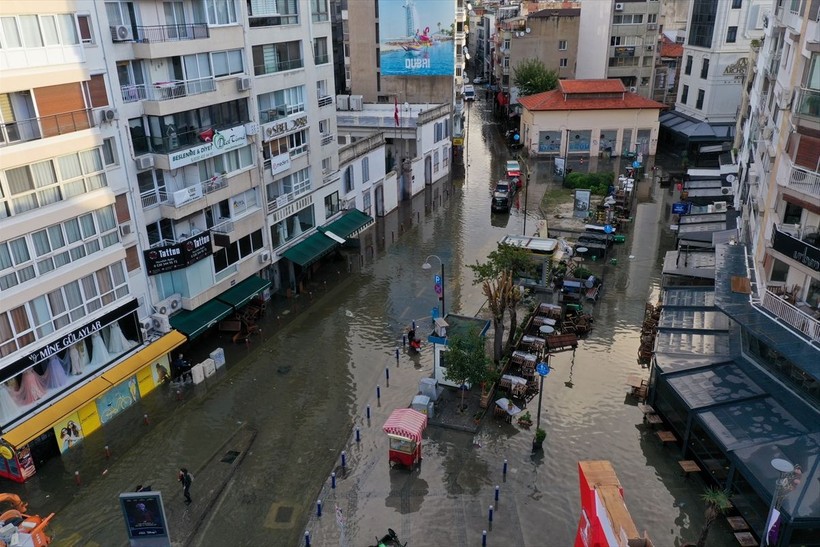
310	250
239	295
193	323
349	224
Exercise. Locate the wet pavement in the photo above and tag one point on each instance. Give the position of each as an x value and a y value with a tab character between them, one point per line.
305	383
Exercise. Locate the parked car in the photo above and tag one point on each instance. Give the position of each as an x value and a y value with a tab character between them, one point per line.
503	195
468	92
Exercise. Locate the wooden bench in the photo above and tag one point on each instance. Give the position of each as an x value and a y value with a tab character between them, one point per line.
737	524
667	437
745	539
688	466
560	342
654	419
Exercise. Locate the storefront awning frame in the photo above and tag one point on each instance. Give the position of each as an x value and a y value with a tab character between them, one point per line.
242	293
195	322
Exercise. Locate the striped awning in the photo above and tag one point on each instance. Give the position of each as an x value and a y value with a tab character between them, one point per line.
407	423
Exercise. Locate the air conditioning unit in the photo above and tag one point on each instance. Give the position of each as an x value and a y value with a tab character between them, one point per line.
243	83
251	128
720	206
342	102
145	162
356	102
169	305
125	229
108	115
619	6
264	257
651	26
122	33
633	89
160	323
784	99
146	323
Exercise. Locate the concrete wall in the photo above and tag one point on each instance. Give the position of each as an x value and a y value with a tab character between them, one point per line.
594	27
363	52
418	89
542	43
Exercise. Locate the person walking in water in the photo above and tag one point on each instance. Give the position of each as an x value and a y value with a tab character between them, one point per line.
185	478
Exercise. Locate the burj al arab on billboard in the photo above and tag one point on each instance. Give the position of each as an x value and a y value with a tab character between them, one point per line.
416	37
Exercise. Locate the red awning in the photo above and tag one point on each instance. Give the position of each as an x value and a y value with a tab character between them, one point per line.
502	98
406	422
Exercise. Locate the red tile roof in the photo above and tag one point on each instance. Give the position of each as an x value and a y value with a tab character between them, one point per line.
556	100
670	48
591	86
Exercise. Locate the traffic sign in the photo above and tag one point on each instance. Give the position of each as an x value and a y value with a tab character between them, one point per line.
608	228
542	369
681	208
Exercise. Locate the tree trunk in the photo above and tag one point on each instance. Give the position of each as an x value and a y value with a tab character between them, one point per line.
513	328
498	340
704	533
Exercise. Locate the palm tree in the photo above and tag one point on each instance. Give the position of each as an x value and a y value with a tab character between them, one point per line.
717	503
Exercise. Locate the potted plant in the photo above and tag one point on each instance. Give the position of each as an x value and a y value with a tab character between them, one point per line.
525	420
717	503
538	440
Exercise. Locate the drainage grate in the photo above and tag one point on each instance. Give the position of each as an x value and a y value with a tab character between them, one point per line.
284	514
230	456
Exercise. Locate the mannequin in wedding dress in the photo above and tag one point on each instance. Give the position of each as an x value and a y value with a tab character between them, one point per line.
117	342
99	353
8	406
32	387
55	375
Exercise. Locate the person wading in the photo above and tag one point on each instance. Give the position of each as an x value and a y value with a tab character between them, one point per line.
186	479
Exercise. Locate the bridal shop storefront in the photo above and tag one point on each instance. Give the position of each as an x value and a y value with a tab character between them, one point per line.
61	392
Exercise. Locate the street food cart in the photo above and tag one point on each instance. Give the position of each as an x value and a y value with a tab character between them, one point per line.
404	428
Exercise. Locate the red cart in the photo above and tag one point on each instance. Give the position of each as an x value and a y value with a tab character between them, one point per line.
404	428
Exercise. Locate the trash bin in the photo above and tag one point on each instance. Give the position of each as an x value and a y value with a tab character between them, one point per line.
420	403
218	355
427	387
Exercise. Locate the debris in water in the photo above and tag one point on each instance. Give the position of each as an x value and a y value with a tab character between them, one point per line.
348	313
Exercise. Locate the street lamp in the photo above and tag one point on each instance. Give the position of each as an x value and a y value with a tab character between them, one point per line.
785	483
427	266
526	188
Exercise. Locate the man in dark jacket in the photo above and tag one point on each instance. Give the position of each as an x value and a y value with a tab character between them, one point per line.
185	478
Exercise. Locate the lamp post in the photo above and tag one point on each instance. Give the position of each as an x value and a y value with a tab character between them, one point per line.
542	369
427	266
783	485
526	188
566	159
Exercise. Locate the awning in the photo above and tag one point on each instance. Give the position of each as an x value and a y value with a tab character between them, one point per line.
193	323
239	295
46	418
694	129
349	224
407	423
310	250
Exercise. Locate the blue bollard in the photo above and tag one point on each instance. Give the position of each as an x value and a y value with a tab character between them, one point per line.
378	393
491	513
497	489
414	324
307	538
333	481
358	435
505	461
368	412
344	459
484	538
319	508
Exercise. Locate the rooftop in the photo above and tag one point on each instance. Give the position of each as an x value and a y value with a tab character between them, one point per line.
591	86
588	95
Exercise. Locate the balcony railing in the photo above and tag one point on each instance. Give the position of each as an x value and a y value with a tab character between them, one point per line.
216	182
791	315
152	198
327	139
178	140
808	102
224	227
45	126
325	101
277	202
803	180
280	66
172	33
321	59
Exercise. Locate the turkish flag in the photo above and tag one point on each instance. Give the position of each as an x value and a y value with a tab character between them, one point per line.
396	110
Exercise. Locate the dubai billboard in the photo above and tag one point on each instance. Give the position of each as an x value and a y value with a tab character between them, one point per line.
416	37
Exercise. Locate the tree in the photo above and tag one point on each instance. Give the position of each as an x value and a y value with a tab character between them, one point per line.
717	503
466	360
506	258
530	76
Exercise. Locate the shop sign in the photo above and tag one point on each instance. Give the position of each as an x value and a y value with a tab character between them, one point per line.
277	129
797	250
63	343
280	163
178	256
458	141
220	141
625	51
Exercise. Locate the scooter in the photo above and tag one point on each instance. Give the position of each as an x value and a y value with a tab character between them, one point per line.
413	342
389	540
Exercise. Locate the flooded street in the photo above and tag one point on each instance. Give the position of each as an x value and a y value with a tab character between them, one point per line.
306	386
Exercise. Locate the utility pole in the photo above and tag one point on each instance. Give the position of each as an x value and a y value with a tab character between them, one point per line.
526	189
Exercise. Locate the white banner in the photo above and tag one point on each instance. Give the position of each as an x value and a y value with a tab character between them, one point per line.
216	143
280	163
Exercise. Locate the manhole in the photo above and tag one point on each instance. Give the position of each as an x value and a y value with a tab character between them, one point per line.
284	514
230	456
279	516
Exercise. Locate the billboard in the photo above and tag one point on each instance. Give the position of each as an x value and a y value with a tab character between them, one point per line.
416	37
144	516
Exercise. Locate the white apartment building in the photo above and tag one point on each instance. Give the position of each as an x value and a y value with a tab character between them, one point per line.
157	162
779	157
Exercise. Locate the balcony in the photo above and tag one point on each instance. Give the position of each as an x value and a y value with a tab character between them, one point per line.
801	179
277	66
798	244
807	107
325	101
178	204
277	202
164	91
45	126
321	59
792	315
171	33
226	226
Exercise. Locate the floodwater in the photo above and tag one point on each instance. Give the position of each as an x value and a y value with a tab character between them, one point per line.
306	385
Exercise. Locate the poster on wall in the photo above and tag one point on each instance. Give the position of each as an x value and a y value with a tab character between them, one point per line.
68	432
581	206
117	399
416	37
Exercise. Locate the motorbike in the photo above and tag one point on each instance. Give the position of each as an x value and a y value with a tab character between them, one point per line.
389	540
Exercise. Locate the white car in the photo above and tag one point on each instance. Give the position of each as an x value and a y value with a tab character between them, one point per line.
479	80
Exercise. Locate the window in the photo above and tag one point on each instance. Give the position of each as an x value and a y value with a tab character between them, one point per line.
506	46
347	179
298	143
684	96
84	22
97	94
33	31
215	12
331	204
184	129
238	250
562	45
243	203
280	104
318	10
652	18
445	156
228	162
704	69
688	69
365	169
226	63
367	202
731	35
272	58
160	232
436	163
271	13
737	4
563	62
109	151
628	19
702	25
120	13
320	56
699	102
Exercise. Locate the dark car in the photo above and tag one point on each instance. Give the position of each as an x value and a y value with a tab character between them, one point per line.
503	195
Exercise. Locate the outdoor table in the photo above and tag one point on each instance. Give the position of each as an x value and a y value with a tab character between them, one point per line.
520	357
737	524
667	437
533	341
508	407
634	381
546	307
517	385
546	329
646	409
654	419
746	539
688	466
540	321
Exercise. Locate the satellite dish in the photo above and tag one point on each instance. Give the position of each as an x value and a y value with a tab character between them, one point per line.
528	30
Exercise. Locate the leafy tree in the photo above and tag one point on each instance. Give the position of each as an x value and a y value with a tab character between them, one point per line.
506	258
530	76
466	360
717	503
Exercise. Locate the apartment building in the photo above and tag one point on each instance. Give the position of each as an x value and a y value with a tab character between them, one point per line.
162	163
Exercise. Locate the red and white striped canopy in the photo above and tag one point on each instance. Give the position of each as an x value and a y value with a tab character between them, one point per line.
406	422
